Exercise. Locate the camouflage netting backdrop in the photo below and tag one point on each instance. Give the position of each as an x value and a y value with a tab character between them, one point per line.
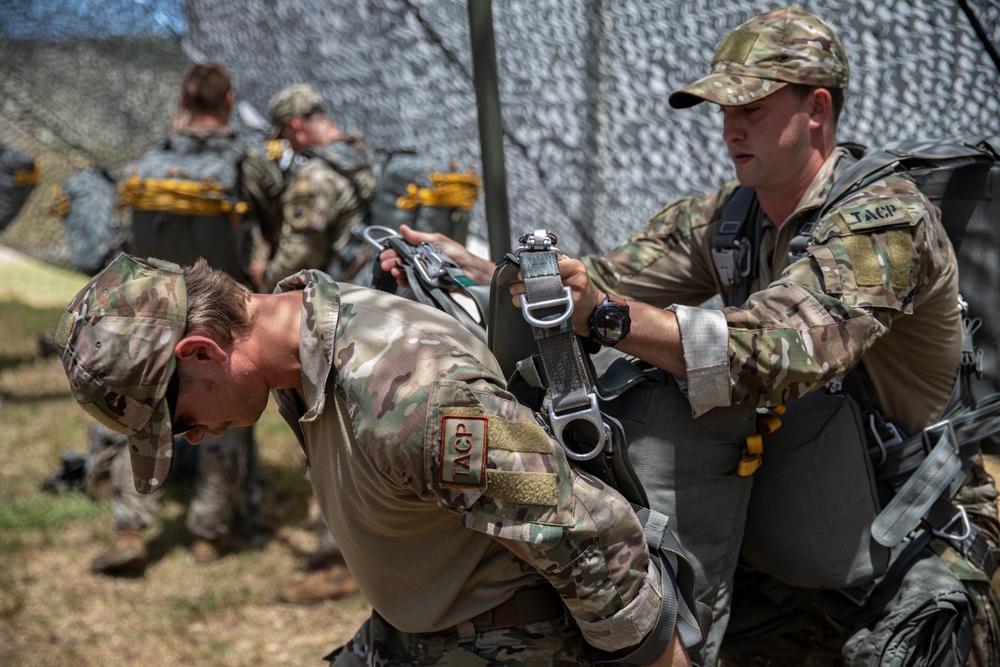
591	147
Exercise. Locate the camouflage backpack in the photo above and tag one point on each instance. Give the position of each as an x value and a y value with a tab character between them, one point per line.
87	203
18	177
183	195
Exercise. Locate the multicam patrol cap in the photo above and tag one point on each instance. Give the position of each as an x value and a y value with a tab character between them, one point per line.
117	340
295	101
762	56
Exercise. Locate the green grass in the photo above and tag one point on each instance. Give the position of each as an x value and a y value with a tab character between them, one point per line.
44	511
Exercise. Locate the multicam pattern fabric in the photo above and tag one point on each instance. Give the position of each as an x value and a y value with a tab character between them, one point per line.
383	378
210	514
785	45
321	208
119	374
377	644
879	269
295	101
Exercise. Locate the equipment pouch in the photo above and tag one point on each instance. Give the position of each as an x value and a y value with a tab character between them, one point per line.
814	499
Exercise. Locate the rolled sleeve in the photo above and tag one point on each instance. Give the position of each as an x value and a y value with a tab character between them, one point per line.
705	340
632	623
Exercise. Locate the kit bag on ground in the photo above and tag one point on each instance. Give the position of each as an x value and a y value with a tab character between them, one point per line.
18	177
184	199
87	203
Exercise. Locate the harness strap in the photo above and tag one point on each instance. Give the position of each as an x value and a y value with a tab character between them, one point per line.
526	606
925	497
548	307
572	394
432	275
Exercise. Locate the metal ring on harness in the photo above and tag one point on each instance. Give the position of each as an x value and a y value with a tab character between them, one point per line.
369	235
947	426
431	263
944	532
591	415
566	299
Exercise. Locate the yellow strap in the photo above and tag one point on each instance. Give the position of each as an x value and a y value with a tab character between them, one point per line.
453	190
60	203
275	148
755	444
181	197
748	465
768	423
26	176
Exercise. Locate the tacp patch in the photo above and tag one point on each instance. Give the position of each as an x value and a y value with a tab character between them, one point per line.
882	212
463	450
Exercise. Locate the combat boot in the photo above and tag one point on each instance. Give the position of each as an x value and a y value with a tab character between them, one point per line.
126	555
332	583
206	551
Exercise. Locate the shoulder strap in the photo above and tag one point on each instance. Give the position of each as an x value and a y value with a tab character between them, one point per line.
330	155
592	440
733	248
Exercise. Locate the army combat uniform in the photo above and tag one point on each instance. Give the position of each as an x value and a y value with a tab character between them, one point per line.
876	287
322	207
404	422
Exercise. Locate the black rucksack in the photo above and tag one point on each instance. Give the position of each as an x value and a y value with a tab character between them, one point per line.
18	177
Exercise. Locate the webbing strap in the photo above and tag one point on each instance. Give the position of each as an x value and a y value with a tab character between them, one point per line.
432	276
690	619
912	502
548	307
926	495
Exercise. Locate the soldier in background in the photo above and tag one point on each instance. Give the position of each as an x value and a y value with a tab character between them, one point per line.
327	194
199	146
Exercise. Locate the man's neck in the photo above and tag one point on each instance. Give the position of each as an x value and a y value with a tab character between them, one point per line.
273	342
206	122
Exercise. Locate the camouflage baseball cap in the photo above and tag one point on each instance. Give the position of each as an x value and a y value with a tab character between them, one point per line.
296	101
765	54
117	340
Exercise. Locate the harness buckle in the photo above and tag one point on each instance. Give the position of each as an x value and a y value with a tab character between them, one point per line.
732	263
883	445
944	425
951	537
431	263
540	239
566	300
592	415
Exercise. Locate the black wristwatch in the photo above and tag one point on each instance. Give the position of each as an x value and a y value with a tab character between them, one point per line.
610	321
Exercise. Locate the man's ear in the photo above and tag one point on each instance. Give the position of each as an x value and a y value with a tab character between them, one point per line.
821	106
199	349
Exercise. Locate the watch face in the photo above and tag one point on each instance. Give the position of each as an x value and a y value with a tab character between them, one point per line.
610	322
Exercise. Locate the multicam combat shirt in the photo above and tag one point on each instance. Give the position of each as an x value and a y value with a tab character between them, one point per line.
879	285
446	495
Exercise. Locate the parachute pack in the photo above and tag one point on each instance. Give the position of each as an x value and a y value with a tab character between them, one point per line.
87	203
183	196
936	489
18	177
415	190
